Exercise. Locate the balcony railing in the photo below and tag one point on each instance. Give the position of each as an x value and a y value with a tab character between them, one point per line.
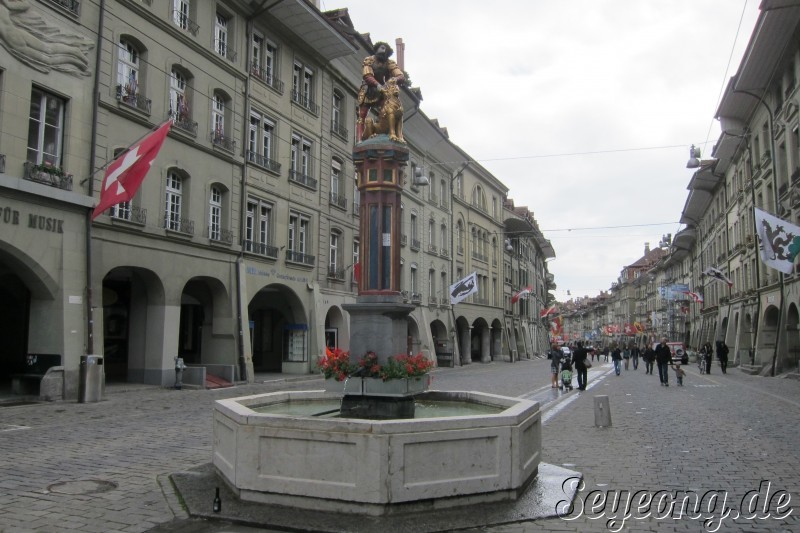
338	128
263	161
433	198
335	273
432	248
184	123
135	99
405	295
479	256
178	224
129	213
267	77
416	297
73	6
415	244
338	200
444	252
305	101
223	49
403	240
223	141
47	175
444	301
299	257
356	208
302	179
223	236
183	21
433	300
263	249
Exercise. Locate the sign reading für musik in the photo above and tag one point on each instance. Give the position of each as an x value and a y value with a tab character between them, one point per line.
39	222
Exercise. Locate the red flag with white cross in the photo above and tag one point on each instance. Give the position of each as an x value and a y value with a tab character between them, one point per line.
125	175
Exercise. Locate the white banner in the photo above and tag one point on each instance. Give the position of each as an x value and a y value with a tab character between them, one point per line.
779	241
463	288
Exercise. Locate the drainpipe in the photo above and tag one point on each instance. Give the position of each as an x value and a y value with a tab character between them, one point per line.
775	194
460	172
90	187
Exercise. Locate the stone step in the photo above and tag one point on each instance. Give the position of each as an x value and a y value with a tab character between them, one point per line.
753	370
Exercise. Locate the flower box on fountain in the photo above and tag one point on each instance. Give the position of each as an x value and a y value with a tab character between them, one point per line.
401	375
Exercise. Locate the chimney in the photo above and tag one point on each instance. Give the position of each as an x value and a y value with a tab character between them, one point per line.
646	248
400	53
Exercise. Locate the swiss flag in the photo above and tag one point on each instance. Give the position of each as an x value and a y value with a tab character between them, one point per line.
125	175
521	294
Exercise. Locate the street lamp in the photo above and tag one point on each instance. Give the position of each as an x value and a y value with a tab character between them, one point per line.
694	157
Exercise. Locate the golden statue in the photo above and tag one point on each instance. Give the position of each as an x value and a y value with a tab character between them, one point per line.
378	70
390	115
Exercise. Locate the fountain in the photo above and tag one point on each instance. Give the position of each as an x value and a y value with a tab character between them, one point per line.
373	454
375	467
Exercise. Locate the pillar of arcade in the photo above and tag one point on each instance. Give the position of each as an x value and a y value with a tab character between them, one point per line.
378	319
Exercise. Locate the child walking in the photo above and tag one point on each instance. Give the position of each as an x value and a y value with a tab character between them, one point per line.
679	373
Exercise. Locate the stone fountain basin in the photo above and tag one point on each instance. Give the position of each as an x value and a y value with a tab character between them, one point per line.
376	467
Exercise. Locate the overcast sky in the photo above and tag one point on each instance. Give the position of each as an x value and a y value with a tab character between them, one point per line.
585	109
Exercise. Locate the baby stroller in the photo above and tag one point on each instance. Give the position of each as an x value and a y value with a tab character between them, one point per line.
566	373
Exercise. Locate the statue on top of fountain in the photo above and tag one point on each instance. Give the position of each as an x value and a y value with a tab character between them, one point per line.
380	90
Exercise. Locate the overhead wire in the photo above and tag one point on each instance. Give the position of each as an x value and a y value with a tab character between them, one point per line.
287	141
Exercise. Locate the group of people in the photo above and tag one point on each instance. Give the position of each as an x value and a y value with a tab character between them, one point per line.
623	356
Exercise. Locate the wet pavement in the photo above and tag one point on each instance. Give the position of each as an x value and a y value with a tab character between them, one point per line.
730	439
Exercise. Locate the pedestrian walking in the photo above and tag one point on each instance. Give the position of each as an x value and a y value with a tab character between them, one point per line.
722	355
616	358
626	356
679	373
663	359
709	356
554	354
605	354
649	356
635	353
579	360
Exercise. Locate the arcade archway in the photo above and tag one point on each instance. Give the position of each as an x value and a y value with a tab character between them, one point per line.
279	330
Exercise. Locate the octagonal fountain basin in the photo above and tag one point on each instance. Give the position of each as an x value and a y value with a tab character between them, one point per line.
463	448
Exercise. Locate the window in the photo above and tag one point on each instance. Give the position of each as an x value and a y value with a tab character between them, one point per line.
299	233
128	72
174	193
333	252
261	141
443	238
432	284
336	170
459	186
179	101
431	235
356	195
258	228
303	87
301	159
443	279
219	119
414	291
460	237
414	235
221	35
265	55
181	13
218	116
356	252
337	116
443	192
215	214
45	129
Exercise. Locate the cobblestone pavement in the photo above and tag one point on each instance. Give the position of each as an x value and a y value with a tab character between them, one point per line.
103	467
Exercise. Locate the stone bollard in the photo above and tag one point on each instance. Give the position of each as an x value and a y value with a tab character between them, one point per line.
602	411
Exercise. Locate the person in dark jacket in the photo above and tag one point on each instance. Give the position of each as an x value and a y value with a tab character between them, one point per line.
649	356
635	353
709	355
579	360
616	358
722	355
663	360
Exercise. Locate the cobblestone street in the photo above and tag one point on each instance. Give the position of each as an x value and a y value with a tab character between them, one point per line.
104	466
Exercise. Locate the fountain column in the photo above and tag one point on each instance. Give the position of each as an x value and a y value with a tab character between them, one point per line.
378	319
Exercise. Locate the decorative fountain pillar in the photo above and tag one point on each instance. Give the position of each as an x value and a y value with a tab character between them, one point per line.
378	319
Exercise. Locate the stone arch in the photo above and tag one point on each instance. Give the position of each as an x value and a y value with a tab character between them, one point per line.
279	333
497	339
480	341
792	353
768	336
463	335
336	330
136	326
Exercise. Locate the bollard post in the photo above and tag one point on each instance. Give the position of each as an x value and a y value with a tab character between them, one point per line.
602	411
